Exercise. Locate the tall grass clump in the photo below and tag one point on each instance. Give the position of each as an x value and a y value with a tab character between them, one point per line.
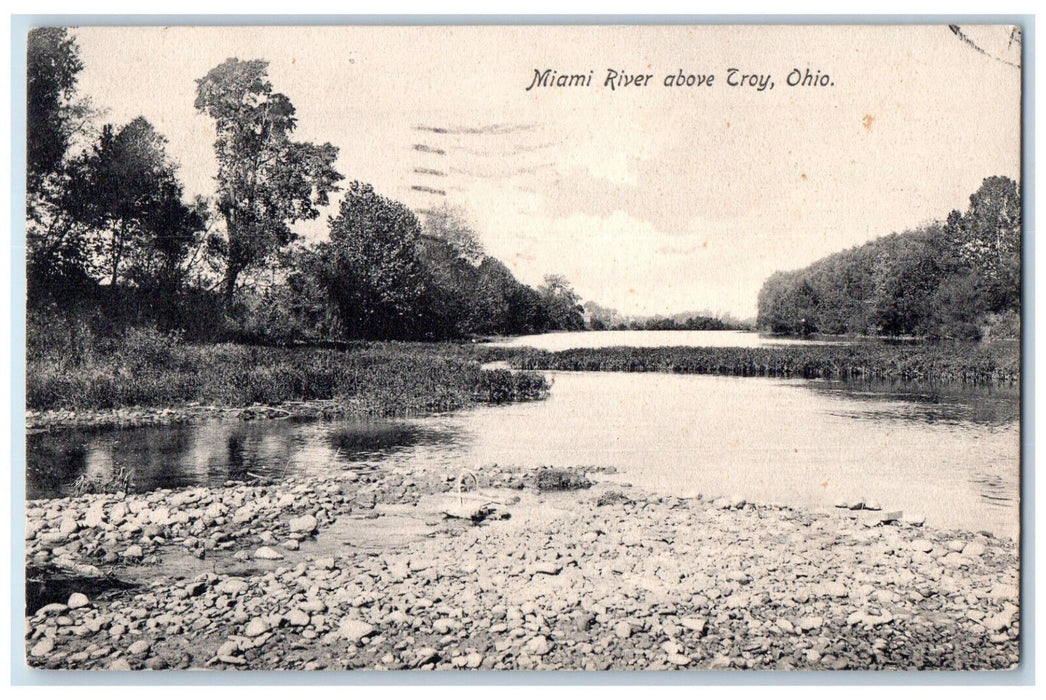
148	368
946	362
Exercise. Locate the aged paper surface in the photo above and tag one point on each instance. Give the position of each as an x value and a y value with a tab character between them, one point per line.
594	348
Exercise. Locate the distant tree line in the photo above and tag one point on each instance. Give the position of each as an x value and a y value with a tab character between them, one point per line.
945	280
110	229
601	318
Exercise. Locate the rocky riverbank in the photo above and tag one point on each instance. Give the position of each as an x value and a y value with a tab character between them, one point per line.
368	571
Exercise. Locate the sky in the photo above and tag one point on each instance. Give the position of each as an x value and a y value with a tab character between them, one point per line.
649	199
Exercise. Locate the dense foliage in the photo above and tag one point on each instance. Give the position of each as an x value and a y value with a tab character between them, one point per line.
942	280
111	234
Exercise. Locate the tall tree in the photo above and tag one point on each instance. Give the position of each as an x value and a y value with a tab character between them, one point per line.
53	112
126	188
372	271
562	303
58	246
266	181
988	238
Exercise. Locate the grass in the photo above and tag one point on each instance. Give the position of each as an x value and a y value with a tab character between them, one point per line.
75	368
983	363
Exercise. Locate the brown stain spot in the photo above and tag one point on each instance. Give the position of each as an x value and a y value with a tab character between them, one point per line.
631	290
293	60
802	176
704	244
824	484
728	125
868	121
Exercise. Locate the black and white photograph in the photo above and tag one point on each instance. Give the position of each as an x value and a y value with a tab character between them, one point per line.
676	348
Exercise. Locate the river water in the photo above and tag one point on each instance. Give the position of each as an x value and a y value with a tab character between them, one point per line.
950	454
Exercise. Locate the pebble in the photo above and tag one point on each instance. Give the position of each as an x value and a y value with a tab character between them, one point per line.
355	630
306	524
139	647
538	646
267	553
78	600
298	618
256	627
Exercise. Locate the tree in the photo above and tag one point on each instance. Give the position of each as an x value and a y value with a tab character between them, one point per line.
53	114
266	181
450	251
562	303
988	239
126	188
371	270
58	246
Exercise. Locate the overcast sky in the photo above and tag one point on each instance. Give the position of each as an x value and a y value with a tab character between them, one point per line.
649	199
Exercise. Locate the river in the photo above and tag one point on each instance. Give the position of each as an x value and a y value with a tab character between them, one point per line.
949	453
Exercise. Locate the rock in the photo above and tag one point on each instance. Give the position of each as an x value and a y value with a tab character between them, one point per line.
291	545
922	546
232	586
42	648
997	623
133	552
78	600
915	520
306	524
256	627
538	646
139	647
546	568
68	526
160	516
811	622
835	589
120	665
53	609
426	655
623	630
355	630
697	624
267	553
313	606
229	648
473	660
583	620
298	618
679	660
973	549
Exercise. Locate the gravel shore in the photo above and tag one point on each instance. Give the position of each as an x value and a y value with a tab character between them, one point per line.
367	571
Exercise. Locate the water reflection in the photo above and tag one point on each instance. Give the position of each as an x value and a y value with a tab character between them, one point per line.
949	453
927	403
211	452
